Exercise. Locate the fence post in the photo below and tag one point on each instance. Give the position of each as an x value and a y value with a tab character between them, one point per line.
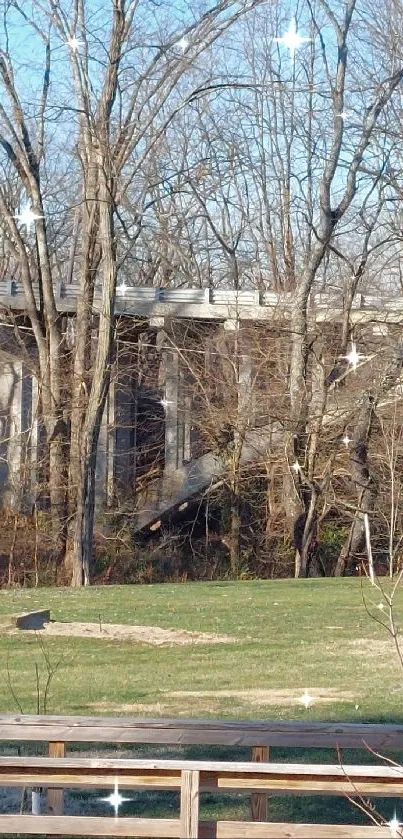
36	802
260	754
55	804
189	817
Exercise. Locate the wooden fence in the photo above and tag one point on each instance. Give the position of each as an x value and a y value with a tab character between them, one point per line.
59	771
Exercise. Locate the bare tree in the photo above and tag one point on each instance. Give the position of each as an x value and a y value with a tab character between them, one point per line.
118	112
291	199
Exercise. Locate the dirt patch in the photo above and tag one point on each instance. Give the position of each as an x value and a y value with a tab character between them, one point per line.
365	646
167	708
209	700
154	635
152	708
272	697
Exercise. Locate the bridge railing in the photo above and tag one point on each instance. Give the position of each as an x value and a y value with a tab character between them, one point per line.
228	297
59	768
130	295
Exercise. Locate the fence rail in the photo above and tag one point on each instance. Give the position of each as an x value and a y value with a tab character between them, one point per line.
60	771
312	779
284	734
201	302
191	778
148	828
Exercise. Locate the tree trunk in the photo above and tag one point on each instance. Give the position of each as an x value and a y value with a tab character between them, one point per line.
81	376
364	482
52	384
82	546
235	535
58	491
309	564
55	452
353	545
84	524
296	437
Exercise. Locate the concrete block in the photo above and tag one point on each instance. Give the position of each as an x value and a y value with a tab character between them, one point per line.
31	620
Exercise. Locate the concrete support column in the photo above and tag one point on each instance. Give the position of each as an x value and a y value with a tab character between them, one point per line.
19	435
15	480
34	438
244	373
173	458
110	410
101	470
11	414
187	426
183	420
106	451
116	452
245	396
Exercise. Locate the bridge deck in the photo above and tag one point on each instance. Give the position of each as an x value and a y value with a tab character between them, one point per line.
210	304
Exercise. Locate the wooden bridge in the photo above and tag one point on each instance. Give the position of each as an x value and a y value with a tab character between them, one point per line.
189	778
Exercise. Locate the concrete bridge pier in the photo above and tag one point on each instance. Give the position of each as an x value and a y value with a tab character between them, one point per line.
18	434
244	388
173	459
116	452
116	455
243	372
177	426
106	452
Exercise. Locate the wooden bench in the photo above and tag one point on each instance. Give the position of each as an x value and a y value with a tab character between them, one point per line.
190	778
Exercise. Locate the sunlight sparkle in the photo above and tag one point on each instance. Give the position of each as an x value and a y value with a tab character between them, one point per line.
73	43
346	440
165	402
115	799
394	825
27	217
183	44
292	40
354	357
306	700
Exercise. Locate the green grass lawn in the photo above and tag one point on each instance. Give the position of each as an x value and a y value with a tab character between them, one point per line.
288	635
